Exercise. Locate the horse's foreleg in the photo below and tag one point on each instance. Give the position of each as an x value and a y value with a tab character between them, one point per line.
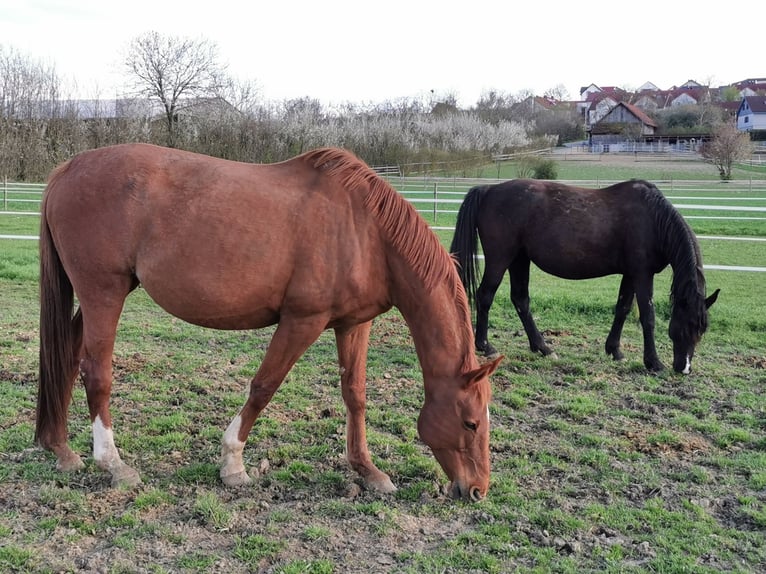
352	355
290	341
621	310
644	295
485	295
100	328
519	272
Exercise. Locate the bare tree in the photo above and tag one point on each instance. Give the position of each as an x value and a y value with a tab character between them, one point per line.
29	102
727	146
174	71
557	92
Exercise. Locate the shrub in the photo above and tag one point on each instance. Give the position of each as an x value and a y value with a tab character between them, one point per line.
545	169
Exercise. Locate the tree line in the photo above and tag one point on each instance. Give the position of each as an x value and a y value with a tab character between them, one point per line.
179	94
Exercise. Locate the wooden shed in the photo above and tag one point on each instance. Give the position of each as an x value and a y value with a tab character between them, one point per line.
624	122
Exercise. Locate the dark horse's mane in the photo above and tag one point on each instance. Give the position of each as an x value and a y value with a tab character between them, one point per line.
682	251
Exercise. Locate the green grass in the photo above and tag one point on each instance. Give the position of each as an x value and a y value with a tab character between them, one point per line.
598	466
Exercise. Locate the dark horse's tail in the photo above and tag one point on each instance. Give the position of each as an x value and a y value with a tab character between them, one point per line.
466	239
60	339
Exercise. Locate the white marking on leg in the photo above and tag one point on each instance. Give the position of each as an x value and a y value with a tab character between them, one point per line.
104	451
231	451
688	367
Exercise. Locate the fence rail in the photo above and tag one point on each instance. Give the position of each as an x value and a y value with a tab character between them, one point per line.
22	195
441	197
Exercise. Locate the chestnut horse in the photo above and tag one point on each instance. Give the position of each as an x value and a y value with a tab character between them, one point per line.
629	229
316	242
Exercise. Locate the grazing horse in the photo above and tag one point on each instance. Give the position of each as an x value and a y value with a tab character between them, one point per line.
575	233
316	242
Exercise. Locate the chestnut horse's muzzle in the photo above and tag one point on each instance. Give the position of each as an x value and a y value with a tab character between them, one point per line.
460	492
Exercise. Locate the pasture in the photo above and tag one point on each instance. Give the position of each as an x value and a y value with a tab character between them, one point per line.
597	465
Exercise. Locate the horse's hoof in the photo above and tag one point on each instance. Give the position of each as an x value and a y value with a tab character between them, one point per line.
70	464
553	356
125	477
488	351
616	355
382	485
237	479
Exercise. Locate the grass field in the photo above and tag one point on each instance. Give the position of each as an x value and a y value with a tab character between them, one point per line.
598	466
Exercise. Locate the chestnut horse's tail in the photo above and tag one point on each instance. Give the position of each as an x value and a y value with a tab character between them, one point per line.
60	339
464	246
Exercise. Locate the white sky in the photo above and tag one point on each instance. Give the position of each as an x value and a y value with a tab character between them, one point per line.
367	52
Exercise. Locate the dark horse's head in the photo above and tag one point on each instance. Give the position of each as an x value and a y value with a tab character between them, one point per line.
688	322
688	304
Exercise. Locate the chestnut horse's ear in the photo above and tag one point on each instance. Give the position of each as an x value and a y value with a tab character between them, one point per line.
712	299
484	370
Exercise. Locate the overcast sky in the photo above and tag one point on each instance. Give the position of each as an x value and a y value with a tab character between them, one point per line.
360	51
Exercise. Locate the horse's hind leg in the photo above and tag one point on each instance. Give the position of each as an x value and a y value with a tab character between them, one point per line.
519	272
99	331
54	437
352	354
621	310
290	341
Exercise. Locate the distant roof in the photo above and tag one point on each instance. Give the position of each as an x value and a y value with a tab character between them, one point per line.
639	113
757	103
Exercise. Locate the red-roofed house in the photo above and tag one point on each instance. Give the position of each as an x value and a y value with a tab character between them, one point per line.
624	122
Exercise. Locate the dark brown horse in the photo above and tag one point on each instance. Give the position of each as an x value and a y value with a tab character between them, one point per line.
628	229
316	242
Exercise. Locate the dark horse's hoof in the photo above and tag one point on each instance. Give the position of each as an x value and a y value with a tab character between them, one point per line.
655	367
616	355
487	350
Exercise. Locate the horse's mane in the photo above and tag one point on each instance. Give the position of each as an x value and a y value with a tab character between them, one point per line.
403	227
682	249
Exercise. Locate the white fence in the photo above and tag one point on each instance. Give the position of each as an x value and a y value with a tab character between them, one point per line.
435	197
21	196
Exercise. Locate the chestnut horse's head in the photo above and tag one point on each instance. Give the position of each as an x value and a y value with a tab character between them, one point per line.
455	425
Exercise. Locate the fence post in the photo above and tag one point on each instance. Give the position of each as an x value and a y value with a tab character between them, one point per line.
436	195
5	193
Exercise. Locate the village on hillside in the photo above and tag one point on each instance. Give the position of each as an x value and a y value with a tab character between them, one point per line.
616	119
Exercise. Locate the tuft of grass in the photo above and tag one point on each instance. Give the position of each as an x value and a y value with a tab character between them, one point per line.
211	511
255	549
307	567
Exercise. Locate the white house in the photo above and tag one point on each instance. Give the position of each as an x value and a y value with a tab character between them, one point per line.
751	114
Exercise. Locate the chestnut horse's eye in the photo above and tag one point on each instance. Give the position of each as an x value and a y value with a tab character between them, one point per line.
470	426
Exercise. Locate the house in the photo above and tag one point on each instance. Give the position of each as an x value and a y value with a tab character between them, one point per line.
533	105
648	87
751	87
751	114
623	123
650	100
690	85
598	104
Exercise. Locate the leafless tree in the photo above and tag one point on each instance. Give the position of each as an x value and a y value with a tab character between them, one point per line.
727	146
174	71
29	100
557	92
